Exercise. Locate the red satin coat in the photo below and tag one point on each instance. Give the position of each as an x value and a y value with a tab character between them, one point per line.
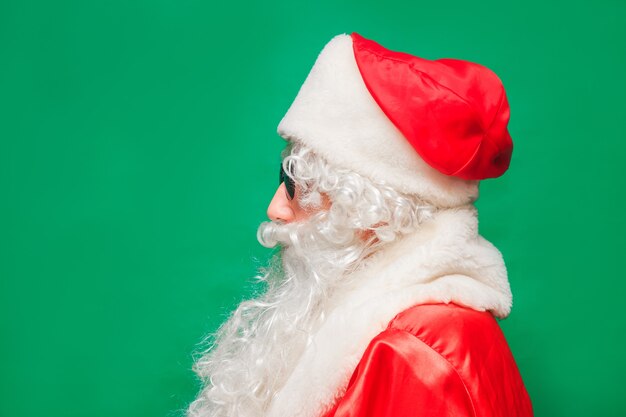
437	360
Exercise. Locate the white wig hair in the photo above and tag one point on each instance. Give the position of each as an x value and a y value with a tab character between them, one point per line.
253	353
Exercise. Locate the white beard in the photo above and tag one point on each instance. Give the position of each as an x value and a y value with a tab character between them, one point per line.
254	352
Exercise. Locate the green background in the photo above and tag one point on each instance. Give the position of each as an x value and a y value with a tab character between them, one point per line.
138	152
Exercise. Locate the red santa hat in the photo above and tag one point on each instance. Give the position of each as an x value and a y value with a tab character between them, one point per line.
433	128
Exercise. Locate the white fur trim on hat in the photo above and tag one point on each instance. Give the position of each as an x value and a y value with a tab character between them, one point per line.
335	115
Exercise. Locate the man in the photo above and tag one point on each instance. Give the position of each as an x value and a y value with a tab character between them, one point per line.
382	299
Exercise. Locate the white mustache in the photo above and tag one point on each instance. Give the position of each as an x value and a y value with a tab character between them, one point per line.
271	233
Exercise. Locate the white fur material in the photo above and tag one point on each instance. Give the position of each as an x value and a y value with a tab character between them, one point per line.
335	115
445	260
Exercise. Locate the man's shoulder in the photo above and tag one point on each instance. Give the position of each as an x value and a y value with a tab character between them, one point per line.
455	332
472	343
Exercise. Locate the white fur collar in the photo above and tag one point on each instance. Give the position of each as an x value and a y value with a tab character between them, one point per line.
445	260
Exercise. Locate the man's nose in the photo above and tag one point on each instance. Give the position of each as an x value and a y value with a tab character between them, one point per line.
280	207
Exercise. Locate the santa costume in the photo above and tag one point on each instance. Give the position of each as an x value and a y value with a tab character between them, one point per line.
416	335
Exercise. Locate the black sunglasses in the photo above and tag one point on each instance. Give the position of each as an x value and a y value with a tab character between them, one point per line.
290	185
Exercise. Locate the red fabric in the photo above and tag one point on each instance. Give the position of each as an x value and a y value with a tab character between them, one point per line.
453	112
437	360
